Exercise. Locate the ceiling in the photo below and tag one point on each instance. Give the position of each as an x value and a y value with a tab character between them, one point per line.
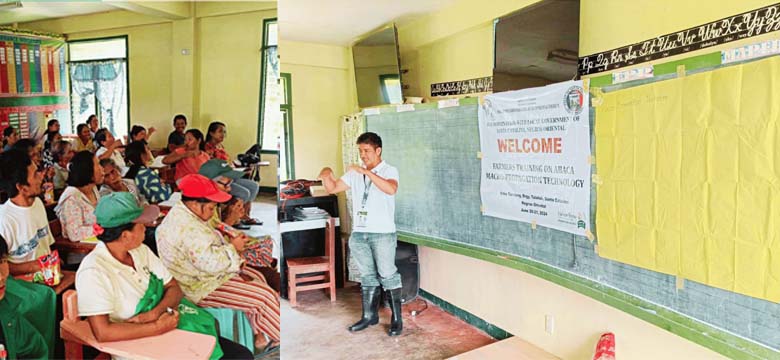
344	21
524	39
38	10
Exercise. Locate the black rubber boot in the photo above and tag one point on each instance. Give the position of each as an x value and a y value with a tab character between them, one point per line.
370	308
397	319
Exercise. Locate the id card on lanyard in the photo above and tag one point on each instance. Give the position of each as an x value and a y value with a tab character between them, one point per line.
362	218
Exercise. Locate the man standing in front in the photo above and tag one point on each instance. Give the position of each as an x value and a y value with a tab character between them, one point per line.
373	239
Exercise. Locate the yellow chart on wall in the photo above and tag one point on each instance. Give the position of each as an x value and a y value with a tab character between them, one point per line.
690	177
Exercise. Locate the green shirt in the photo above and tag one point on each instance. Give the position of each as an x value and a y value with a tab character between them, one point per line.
23	338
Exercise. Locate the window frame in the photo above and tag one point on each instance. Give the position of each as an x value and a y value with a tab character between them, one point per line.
126	38
263	60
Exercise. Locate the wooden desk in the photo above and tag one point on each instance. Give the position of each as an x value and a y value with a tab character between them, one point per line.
307	238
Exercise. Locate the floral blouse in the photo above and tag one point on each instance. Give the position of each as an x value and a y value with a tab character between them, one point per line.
76	214
196	254
217	152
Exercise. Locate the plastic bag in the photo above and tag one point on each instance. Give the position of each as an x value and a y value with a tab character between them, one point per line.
191	317
50	273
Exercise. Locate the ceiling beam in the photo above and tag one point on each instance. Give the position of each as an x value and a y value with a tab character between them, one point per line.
165	9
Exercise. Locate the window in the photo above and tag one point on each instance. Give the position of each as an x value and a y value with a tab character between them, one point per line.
98	84
275	135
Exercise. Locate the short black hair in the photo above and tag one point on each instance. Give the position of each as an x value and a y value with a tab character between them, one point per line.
14	163
8	131
135	130
81	127
113	233
198	136
89	118
179	116
24	144
3	248
198	200
82	169
370	138
51	122
100	136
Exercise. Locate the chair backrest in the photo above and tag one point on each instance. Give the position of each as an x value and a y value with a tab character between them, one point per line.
56	228
330	241
70	305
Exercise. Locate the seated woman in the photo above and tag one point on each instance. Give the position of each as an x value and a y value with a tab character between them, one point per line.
77	203
84	141
10	137
208	266
113	182
113	278
139	133
147	180
245	189
189	159
61	154
47	156
93	124
108	148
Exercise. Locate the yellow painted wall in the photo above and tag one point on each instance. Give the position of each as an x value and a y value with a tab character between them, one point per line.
518	302
456	44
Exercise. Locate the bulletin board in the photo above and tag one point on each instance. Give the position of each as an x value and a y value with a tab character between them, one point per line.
33	81
689	177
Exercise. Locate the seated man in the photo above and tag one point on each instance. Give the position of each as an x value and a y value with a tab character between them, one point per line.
20	338
24	225
207	266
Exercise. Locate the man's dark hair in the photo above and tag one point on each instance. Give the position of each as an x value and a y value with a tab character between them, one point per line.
100	136
370	138
24	145
81	127
14	164
3	248
198	136
179	116
82	169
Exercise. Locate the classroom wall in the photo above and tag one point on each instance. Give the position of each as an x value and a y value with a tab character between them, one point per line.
456	44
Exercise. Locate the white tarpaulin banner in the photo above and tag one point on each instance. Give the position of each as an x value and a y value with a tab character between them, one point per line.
536	156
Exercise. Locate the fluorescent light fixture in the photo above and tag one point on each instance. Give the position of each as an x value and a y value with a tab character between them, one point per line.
10	5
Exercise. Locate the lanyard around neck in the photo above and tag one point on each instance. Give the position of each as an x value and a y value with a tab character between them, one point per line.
366	189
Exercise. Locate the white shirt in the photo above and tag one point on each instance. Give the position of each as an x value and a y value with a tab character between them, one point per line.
105	286
379	205
116	156
25	230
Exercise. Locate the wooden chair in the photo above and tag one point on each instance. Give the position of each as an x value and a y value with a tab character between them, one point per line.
175	344
317	264
65	246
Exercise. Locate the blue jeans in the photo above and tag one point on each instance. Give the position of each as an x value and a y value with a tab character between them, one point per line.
375	258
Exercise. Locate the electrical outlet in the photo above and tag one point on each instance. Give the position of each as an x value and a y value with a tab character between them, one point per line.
549	324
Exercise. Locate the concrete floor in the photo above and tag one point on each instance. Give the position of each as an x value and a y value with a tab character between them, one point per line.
317	329
264	209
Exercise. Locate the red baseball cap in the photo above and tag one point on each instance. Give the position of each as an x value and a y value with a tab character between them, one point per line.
201	187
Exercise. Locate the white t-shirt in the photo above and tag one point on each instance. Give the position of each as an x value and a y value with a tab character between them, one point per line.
105	286
380	207
116	156
25	230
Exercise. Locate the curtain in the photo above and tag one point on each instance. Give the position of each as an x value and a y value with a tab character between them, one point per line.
100	87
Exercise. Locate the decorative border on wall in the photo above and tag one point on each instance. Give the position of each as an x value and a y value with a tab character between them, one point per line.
742	26
462	87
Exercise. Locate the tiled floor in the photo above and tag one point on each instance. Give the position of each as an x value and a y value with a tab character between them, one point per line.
317	329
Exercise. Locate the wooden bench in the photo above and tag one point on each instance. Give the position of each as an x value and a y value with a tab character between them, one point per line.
65	246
